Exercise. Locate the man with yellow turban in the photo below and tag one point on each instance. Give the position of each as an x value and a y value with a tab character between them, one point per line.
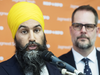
26	23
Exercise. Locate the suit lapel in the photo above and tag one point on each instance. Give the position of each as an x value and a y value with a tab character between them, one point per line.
71	59
98	58
12	67
52	70
68	58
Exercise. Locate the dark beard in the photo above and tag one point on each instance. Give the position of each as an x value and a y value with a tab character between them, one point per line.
30	60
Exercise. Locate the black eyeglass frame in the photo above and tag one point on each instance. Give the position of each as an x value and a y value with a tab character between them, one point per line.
84	25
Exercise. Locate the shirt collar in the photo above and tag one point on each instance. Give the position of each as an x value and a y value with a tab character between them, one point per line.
78	57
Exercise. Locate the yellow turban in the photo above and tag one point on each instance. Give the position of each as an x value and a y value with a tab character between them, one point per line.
22	12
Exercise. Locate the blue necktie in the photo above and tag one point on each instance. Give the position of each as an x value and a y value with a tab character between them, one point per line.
87	70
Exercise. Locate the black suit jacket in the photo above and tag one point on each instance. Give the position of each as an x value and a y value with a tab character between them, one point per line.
69	58
11	67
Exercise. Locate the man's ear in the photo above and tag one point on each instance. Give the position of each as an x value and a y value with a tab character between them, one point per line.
70	29
98	29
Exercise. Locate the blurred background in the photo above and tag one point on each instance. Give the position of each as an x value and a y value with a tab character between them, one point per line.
57	17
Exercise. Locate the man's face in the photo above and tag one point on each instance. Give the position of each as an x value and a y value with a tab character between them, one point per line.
30	30
83	39
29	40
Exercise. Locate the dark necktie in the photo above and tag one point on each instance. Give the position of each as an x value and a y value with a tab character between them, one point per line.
87	70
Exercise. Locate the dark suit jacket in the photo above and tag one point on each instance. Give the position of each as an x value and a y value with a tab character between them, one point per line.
11	67
68	57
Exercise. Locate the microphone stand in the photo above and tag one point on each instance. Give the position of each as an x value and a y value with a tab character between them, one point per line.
64	72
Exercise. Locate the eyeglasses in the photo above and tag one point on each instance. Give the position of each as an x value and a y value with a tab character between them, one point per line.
88	27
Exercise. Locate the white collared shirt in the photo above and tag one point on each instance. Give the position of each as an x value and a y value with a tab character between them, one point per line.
44	71
93	64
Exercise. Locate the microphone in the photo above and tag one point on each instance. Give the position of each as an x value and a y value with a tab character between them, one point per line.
49	56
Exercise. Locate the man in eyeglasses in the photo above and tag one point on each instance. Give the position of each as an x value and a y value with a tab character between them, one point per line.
83	55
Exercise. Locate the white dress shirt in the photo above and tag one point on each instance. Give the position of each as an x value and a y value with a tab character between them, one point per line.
44	71
93	64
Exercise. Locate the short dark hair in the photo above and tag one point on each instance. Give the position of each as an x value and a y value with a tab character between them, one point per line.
88	8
